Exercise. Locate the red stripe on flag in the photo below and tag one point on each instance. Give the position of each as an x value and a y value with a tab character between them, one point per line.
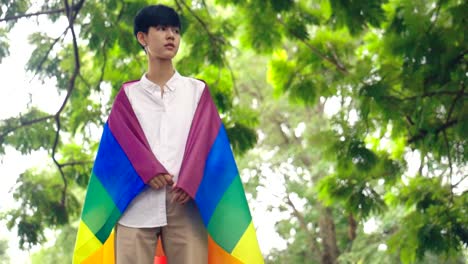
160	260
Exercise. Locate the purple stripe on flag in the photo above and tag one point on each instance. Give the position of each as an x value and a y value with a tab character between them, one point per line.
127	130
205	126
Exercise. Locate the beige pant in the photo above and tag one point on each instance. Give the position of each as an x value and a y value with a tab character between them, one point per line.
184	238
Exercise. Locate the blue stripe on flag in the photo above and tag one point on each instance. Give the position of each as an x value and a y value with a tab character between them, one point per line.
220	170
115	171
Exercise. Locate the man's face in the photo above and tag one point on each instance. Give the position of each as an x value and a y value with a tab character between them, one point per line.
162	42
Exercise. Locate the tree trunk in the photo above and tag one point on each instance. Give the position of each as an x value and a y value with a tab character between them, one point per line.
330	251
352	227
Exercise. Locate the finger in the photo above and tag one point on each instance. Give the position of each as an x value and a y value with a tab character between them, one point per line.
186	199
157	183
175	197
161	182
166	179
169	179
183	198
152	184
180	196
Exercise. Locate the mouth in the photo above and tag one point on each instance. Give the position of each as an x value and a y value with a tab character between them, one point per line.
170	46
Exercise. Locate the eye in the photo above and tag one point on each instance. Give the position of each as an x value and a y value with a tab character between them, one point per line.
161	28
176	30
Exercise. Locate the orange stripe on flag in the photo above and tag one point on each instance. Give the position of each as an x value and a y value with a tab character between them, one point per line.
159	248
160	257
104	254
218	255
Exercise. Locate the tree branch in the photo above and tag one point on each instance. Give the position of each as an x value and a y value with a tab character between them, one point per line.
341	68
253	89
460	93
39	67
47	12
460	181
233	79
44	12
303	224
25	124
448	123
428	94
437	11
422	163
423	133
286	139
71	85
447	144
449	156
59	167
202	23
76	8
75	163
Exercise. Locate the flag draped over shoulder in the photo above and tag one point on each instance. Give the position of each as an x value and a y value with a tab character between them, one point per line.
125	163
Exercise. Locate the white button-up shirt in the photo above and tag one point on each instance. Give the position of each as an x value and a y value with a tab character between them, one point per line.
165	120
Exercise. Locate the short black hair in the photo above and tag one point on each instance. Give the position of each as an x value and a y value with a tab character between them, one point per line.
155	15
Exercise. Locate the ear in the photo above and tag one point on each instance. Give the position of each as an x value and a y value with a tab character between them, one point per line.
141	37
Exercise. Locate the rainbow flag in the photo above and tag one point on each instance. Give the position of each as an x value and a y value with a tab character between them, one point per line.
125	163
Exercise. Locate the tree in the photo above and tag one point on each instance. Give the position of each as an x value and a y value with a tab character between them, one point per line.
393	71
373	58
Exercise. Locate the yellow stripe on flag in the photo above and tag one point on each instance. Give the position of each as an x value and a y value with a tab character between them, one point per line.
86	244
247	249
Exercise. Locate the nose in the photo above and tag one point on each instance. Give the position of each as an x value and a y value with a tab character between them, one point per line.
170	33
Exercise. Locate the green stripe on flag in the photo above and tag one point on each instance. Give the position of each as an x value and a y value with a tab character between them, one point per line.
231	217
100	213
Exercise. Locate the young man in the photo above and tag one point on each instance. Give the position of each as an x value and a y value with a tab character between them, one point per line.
164	103
165	168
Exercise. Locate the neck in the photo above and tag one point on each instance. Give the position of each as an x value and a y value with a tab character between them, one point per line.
160	71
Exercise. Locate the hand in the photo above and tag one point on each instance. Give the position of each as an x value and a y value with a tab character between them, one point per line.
160	181
179	195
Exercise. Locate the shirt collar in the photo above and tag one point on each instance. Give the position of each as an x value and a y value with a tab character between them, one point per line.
150	86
